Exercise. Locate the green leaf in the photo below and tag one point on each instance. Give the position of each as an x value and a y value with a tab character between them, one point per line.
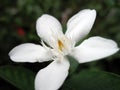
20	77
93	80
73	64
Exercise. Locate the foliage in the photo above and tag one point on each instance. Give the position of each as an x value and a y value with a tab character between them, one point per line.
18	76
93	80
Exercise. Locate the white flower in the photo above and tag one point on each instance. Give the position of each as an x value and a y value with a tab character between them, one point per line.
60	45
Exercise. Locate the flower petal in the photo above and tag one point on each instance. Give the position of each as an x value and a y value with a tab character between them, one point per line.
29	52
80	24
53	76
94	48
48	28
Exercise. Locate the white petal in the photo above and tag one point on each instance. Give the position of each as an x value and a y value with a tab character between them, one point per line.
48	28
94	48
53	76
29	53
80	24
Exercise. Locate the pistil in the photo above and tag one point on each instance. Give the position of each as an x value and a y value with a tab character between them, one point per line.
60	45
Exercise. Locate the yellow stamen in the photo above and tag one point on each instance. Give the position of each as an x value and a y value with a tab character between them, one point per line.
60	45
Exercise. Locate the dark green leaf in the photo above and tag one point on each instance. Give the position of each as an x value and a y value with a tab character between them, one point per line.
93	80
20	77
73	64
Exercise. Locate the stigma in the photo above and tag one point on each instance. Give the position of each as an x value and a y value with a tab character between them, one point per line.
60	45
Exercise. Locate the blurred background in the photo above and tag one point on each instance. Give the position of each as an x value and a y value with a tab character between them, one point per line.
18	21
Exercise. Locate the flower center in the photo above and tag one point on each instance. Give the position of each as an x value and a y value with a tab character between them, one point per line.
60	45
